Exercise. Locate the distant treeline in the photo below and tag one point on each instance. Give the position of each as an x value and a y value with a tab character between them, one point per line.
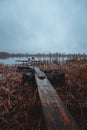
4	55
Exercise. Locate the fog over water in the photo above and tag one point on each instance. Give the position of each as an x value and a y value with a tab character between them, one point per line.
38	26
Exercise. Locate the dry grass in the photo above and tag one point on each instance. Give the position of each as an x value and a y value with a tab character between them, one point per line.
20	106
74	95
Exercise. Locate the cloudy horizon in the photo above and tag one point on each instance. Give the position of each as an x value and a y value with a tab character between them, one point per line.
43	26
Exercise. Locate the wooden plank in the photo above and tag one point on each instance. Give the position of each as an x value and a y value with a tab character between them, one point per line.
56	114
40	74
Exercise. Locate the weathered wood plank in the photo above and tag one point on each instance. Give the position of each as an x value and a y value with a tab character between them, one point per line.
56	114
40	74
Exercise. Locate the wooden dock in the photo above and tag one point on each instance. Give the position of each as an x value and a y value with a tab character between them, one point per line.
55	113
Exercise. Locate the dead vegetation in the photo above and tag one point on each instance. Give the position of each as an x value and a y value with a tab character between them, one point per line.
20	106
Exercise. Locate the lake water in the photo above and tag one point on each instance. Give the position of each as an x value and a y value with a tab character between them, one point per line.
11	61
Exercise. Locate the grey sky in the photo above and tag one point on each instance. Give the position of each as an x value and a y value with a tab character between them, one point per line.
43	26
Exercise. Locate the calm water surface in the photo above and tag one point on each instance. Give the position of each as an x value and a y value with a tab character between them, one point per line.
11	61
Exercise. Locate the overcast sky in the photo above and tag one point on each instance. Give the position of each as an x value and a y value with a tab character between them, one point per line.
43	26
